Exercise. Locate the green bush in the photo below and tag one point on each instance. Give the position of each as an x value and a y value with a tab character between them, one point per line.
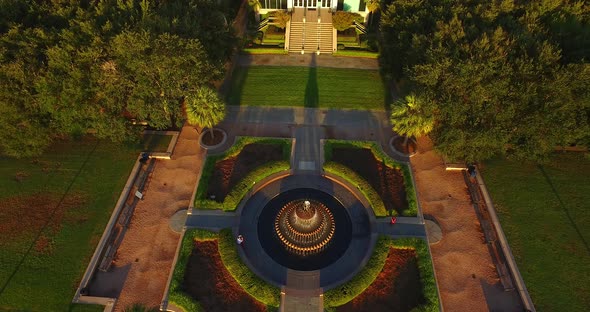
429	288
366	189
264	51
237	193
344	293
175	294
343	20
378	153
250	282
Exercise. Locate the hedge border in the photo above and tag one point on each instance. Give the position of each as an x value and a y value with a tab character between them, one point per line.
359	283
175	293
255	286
378	153
355	179
234	197
252	284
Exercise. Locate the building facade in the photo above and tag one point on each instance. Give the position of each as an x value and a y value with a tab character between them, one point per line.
356	6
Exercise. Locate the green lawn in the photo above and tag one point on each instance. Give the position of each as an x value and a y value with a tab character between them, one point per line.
31	280
309	87
545	213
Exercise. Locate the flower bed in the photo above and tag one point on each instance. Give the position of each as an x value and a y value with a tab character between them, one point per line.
376	175
227	178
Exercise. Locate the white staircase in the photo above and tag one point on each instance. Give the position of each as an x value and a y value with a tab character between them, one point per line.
307	34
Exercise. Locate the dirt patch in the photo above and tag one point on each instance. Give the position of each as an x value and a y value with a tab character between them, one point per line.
211	140
397	287
44	245
229	172
209	282
388	182
24	215
404	146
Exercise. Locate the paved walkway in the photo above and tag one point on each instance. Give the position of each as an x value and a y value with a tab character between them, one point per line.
286	122
306	59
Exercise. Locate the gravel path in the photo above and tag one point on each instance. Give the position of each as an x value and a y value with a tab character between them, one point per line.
466	275
149	245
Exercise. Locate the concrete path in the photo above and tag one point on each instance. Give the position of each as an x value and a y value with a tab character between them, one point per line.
371	125
306	158
306	59
404	227
213	220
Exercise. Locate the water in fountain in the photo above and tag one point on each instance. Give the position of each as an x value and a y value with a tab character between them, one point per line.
305	227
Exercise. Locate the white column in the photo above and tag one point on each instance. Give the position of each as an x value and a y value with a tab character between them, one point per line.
289	5
334	5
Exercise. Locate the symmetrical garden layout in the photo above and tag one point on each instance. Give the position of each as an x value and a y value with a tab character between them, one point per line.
256	180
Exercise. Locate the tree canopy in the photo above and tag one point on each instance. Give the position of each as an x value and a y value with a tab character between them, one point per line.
501	77
69	67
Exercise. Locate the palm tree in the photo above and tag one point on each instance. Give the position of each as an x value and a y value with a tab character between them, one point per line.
373	6
410	119
205	109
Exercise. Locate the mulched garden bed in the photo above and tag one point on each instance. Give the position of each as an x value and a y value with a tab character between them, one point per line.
209	282
408	147
397	287
209	140
388	182
229	172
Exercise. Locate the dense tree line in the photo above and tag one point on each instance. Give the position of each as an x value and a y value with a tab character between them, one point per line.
70	66
501	77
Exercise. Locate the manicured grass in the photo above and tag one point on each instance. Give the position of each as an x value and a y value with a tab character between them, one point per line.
241	189
38	281
356	53
344	293
368	191
544	212
308	87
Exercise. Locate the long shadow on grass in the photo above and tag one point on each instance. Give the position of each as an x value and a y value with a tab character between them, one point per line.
564	207
233	86
312	93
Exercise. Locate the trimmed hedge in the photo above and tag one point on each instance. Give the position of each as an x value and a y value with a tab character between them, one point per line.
429	288
277	50
362	280
353	178
250	282
378	153
234	197
343	294
175	294
356	53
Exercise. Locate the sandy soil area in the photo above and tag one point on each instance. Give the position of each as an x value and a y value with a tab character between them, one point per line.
463	265
149	244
